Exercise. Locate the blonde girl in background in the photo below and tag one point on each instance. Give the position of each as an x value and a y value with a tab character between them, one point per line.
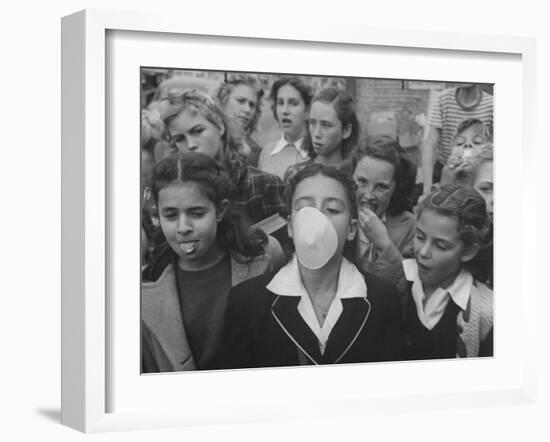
240	98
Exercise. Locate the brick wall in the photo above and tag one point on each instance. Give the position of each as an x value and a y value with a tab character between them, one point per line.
407	100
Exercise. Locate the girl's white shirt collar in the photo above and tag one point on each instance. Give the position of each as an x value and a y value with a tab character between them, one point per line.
432	312
288	282
282	143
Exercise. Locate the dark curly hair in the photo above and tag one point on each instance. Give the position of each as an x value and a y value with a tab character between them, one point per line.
297	83
466	206
387	149
233	232
344	106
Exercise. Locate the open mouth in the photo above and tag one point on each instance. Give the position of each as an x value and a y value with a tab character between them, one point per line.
422	268
188	247
286	121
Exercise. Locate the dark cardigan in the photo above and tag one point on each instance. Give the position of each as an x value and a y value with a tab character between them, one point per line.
263	329
441	342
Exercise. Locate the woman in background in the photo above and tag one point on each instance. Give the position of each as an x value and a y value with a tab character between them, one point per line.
240	97
385	178
291	98
333	129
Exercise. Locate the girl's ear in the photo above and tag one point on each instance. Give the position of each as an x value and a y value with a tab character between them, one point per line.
469	252
222	209
346	133
352	231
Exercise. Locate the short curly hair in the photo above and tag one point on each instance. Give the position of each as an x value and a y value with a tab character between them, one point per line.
244	79
463	204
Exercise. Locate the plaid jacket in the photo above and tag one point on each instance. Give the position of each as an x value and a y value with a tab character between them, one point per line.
259	194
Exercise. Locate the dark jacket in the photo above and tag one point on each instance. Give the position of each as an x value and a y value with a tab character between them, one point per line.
263	329
165	346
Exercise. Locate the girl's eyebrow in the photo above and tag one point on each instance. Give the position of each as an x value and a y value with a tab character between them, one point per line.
437	239
334	199
310	199
199	207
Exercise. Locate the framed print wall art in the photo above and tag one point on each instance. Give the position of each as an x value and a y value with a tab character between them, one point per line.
121	74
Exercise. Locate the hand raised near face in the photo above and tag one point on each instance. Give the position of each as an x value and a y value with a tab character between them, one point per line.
458	171
373	228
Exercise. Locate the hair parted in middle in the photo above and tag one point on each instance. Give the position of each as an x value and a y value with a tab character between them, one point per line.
345	108
309	170
233	231
297	83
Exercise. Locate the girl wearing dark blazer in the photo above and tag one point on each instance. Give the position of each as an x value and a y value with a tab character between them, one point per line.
319	308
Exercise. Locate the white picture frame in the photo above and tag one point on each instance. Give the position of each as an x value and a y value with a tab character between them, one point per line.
87	310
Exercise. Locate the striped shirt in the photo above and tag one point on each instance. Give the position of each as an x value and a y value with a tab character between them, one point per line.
447	114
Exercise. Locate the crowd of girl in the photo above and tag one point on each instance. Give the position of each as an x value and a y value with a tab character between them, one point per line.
311	249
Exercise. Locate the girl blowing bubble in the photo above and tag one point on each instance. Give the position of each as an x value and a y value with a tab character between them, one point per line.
211	250
449	313
319	308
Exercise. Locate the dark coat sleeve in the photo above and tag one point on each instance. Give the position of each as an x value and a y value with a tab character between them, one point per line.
246	307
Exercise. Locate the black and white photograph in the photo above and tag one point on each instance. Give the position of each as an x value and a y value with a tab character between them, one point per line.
295	220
